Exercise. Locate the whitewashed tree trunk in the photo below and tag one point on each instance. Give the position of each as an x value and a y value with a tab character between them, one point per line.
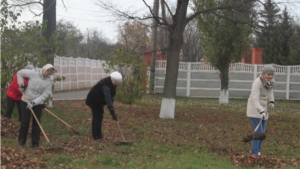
223	98
167	109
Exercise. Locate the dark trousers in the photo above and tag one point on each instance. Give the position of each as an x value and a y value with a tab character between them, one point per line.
10	107
36	131
97	123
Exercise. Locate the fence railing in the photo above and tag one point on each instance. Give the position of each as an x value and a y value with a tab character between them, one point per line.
195	79
198	79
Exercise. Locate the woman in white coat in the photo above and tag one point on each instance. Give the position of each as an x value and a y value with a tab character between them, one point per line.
261	99
38	90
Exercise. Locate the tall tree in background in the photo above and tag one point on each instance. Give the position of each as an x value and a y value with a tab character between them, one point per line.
69	38
49	20
267	36
294	45
285	34
134	37
164	31
225	37
49	25
95	45
154	45
191	48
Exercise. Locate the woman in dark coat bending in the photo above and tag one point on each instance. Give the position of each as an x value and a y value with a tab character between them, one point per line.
100	95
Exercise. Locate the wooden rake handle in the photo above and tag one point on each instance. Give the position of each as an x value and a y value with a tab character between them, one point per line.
120	131
37	121
258	125
75	131
267	111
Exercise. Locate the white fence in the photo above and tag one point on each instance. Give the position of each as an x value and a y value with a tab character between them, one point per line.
195	79
79	73
199	79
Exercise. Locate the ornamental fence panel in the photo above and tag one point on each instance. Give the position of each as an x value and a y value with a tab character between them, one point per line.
79	73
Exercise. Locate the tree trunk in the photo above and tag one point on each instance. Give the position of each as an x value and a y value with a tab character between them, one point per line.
49	25
164	31
167	110
224	93
154	44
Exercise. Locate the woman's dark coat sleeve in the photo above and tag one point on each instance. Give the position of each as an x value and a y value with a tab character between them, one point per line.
108	98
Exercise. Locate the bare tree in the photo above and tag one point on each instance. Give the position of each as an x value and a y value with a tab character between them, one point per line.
191	48
134	37
69	39
95	46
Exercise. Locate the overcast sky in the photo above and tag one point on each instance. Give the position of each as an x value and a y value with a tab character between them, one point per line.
85	14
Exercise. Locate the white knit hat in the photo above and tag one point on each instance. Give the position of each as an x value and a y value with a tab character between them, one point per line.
116	76
48	67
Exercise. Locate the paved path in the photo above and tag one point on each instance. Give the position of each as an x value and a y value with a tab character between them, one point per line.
71	95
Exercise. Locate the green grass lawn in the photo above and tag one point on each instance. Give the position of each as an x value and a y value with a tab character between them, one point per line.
203	134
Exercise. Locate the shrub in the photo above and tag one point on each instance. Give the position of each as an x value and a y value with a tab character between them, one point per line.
133	70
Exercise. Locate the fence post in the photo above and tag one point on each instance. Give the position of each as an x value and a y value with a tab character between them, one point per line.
84	72
98	70
255	72
288	77
61	73
76	69
188	78
91	81
70	82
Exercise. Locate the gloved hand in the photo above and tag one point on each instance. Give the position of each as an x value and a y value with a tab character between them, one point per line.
30	105
114	116
263	114
271	105
21	88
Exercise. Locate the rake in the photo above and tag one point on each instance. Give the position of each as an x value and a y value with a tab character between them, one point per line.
74	130
255	136
123	142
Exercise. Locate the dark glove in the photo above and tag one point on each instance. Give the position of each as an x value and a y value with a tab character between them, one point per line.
114	116
21	88
271	105
30	105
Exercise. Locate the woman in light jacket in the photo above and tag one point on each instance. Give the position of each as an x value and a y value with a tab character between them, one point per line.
38	90
261	99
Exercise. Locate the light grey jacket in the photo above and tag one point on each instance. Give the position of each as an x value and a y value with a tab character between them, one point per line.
259	99
39	87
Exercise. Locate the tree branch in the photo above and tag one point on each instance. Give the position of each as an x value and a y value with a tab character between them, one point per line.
26	4
122	15
206	10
